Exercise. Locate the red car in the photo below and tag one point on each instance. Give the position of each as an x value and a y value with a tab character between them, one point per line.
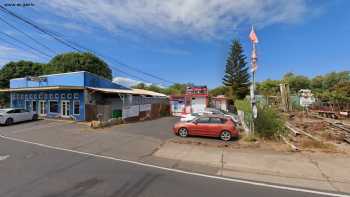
212	126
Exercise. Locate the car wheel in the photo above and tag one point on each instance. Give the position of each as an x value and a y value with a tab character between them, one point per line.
225	136
35	117
9	121
183	132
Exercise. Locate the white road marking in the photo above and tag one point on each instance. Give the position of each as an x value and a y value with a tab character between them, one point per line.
3	157
181	171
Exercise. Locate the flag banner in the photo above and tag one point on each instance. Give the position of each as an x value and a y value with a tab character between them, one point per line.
253	37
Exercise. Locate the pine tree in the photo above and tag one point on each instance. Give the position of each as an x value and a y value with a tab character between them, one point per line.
236	74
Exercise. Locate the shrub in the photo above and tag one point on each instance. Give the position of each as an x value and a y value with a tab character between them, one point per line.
243	105
269	124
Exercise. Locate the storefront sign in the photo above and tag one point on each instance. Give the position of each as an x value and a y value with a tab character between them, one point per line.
130	111
145	107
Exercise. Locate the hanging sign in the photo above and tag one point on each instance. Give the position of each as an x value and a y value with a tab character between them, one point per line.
130	111
145	107
255	111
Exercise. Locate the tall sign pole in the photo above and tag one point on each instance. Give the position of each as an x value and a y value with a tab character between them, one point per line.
254	58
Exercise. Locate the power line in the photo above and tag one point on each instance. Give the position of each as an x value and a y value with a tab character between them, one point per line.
37	27
25	44
76	46
133	76
121	63
10	43
27	35
15	45
116	61
119	70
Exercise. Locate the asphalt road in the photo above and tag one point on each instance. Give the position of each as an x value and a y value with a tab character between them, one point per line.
34	171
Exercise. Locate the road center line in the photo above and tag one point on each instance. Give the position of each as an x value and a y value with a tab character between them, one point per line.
181	171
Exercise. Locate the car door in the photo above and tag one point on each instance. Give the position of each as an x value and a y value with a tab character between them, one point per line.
15	115
21	115
26	115
201	126
216	125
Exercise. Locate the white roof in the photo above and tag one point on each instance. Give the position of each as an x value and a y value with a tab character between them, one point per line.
132	91
148	92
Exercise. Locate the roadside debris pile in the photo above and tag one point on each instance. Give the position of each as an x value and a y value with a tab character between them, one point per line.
311	133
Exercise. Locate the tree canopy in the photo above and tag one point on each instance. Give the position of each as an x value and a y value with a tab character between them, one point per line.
175	89
67	62
20	69
268	87
236	73
70	62
334	86
296	82
220	90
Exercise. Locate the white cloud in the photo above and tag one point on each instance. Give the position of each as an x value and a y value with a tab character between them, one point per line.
128	82
132	82
66	25
198	18
8	54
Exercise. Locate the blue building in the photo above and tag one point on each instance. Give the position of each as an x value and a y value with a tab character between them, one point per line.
80	96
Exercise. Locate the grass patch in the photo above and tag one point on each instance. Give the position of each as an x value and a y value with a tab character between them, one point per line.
313	144
250	138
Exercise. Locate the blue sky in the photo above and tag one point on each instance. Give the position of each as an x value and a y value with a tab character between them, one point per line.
188	40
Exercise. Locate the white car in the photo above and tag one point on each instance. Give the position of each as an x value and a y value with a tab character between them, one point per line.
12	115
188	117
214	111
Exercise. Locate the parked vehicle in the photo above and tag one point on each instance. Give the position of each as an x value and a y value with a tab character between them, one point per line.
188	117
221	112
208	125
12	115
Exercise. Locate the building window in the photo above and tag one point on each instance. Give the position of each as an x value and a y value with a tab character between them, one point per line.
53	106
28	105
57	96
69	96
51	96
76	107
76	95
35	96
63	96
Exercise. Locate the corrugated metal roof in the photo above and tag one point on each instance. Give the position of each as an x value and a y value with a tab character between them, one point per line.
42	88
111	90
148	92
132	91
106	90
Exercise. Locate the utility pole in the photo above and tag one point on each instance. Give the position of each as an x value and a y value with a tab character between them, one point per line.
254	58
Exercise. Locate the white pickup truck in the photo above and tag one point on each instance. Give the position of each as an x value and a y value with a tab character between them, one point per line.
12	115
